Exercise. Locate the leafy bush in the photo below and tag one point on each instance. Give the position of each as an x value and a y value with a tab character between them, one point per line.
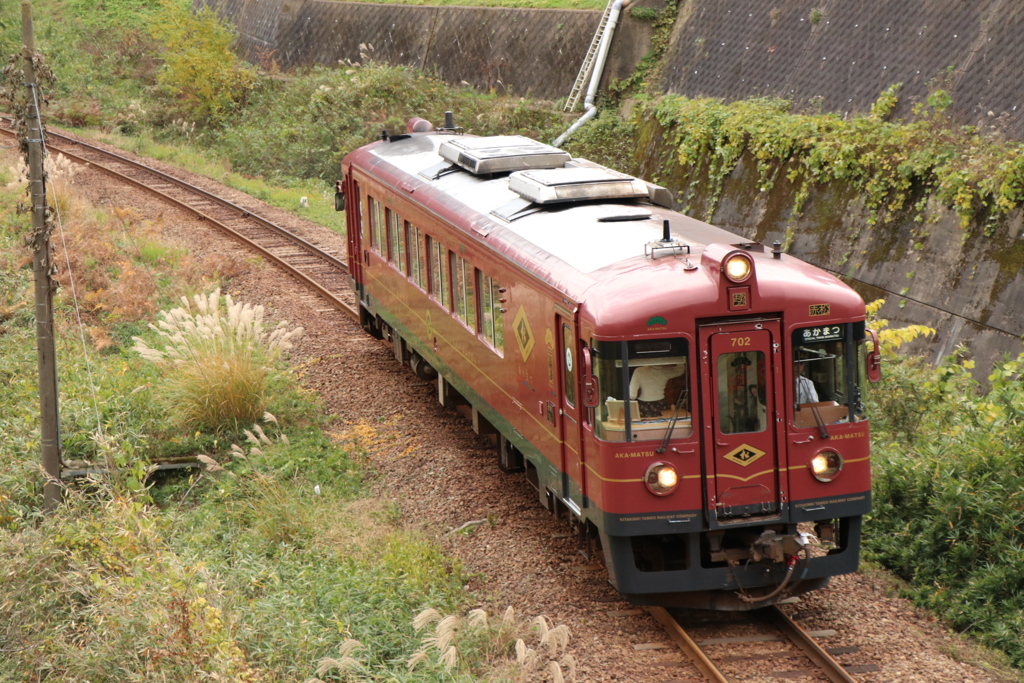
302	128
220	361
949	493
200	70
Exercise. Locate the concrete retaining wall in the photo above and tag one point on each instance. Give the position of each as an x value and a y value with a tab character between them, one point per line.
522	51
734	49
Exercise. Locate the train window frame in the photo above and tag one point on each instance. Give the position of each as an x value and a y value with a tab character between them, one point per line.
396	241
492	326
569	365
438	277
617	417
418	264
372	221
826	357
742	409
463	294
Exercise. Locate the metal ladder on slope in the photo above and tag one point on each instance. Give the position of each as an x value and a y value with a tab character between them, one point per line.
588	62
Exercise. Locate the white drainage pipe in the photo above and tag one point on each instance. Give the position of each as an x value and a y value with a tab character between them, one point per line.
595	78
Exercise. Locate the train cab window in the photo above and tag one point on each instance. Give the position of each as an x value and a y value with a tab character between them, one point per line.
826	385
643	390
378	228
462	286
396	240
491	323
417	258
439	289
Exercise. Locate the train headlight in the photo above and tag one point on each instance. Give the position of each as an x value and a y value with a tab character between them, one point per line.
826	466
661	478
738	267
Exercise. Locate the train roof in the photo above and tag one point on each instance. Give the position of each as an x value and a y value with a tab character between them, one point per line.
592	251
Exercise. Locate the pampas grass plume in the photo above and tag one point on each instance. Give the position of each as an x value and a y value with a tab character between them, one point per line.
427	616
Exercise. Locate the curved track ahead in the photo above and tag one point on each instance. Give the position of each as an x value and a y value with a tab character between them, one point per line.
312	265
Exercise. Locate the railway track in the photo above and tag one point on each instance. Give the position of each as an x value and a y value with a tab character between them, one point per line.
765	642
315	267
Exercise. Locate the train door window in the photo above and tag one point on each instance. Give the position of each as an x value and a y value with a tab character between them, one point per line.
417	259
826	386
569	359
462	284
643	390
742	388
439	273
378	228
396	238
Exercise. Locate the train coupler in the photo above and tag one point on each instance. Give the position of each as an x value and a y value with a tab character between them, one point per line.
775	547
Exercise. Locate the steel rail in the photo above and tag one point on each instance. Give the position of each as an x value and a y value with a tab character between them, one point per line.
799	637
772	616
293	239
688	645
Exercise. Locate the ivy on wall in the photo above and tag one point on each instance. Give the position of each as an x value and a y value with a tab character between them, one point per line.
980	177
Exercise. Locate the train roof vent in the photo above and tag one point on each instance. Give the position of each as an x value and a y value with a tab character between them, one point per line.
552	186
501	154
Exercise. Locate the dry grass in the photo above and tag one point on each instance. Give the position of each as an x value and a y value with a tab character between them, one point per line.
220	361
117	263
478	643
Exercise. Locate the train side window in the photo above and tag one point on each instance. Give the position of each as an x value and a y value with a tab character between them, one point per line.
374	244
491	327
378	228
417	258
396	238
439	273
462	284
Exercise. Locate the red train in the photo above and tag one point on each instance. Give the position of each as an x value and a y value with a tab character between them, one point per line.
691	402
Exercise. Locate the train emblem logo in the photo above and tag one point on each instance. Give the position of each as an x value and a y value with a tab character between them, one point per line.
744	455
524	335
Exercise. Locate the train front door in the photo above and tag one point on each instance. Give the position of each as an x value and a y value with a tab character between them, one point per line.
741	372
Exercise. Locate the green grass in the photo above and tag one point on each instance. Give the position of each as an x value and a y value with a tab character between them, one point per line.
284	193
255	571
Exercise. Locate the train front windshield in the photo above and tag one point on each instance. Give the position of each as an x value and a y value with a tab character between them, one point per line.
826	374
644	390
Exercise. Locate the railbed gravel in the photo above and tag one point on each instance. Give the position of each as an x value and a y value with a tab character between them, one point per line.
441	475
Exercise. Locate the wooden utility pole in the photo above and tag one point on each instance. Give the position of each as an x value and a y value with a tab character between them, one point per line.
42	267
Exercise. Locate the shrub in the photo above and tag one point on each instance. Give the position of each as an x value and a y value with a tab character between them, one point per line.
200	71
220	361
949	509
